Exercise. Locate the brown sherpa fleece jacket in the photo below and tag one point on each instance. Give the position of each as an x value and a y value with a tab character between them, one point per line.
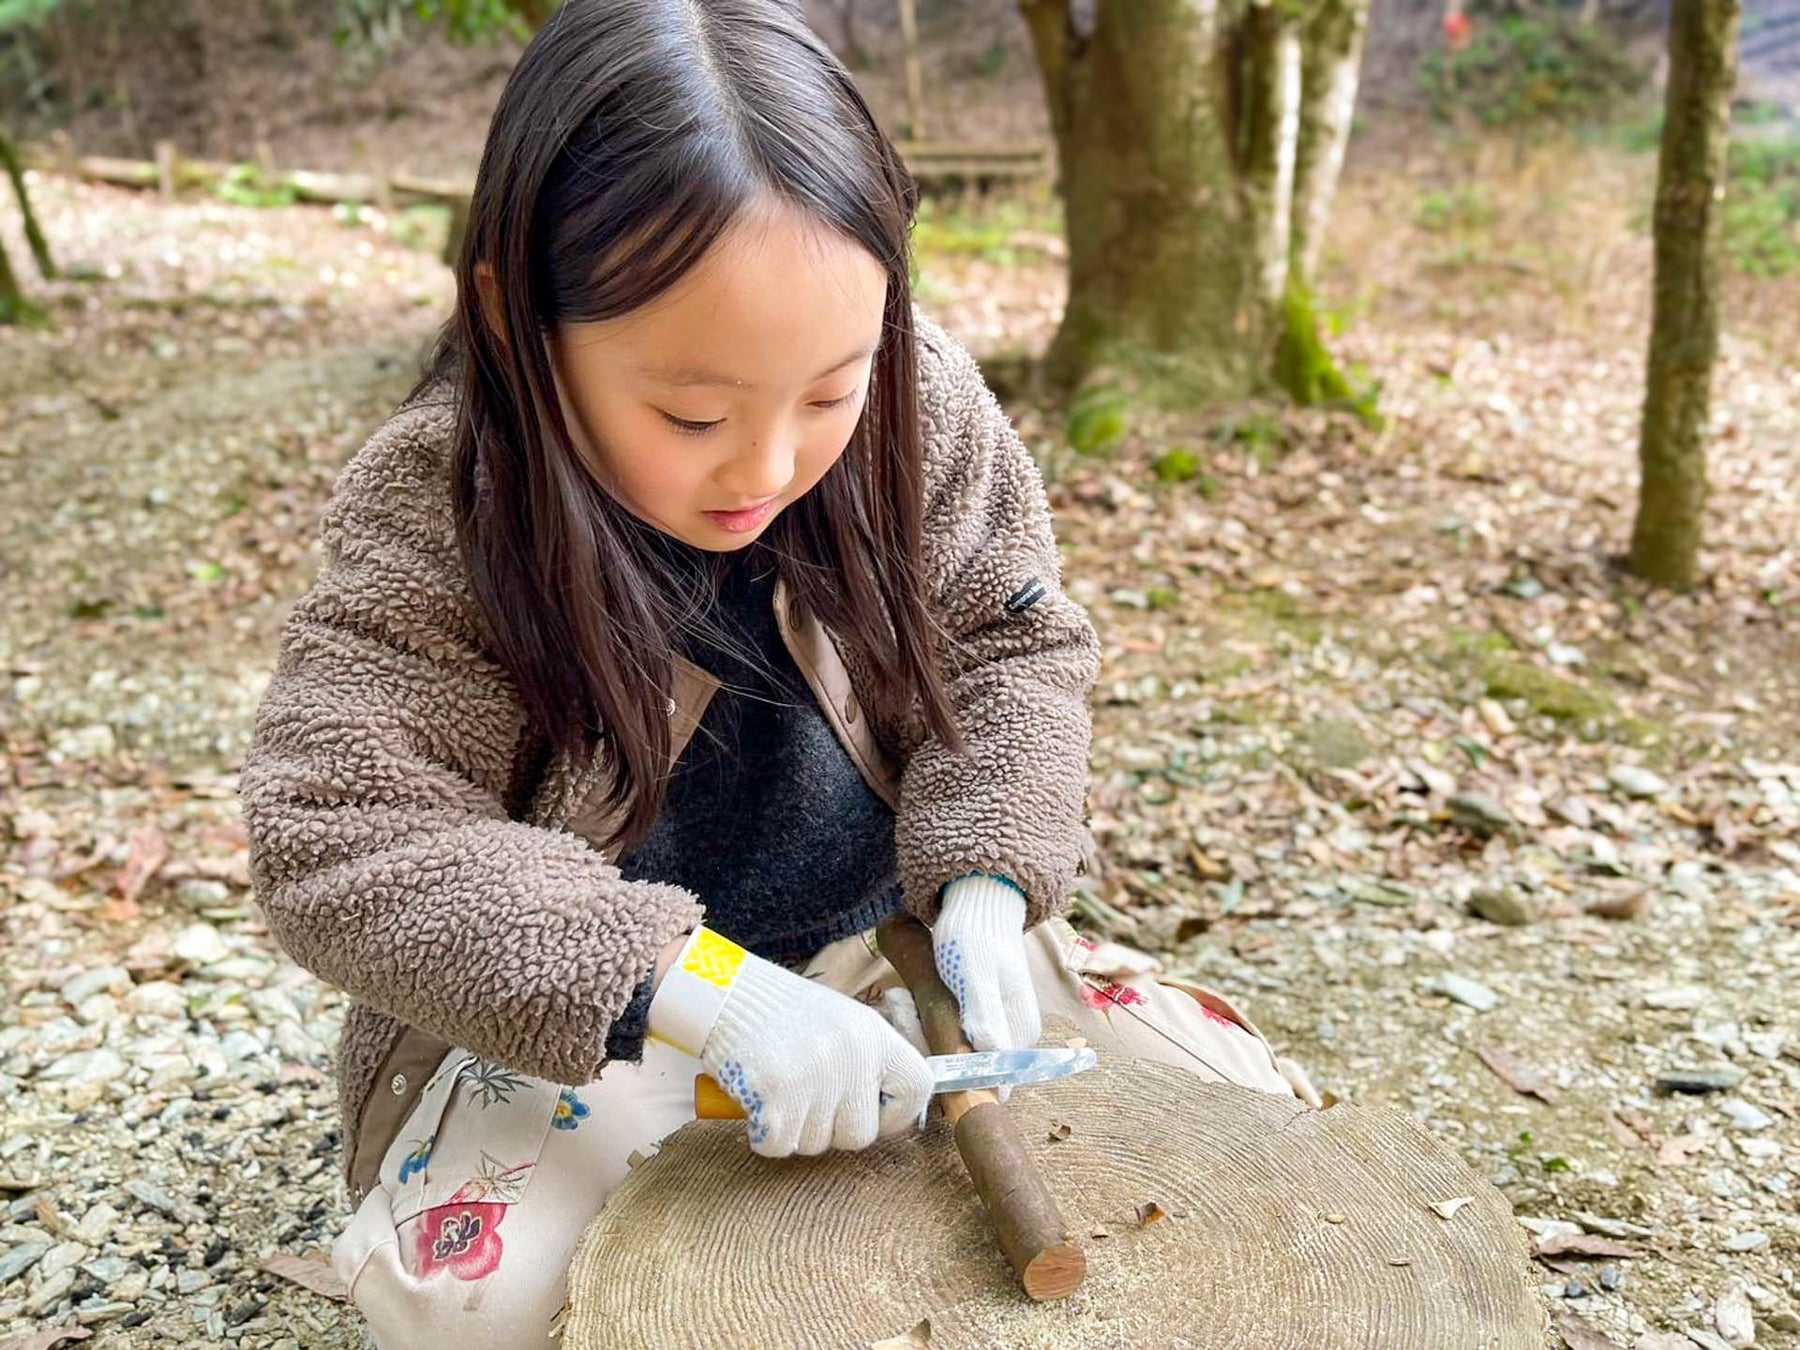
383	854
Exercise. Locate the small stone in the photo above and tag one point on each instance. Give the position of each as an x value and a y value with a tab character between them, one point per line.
1611	1278
1676	998
202	893
15	1261
1504	906
1733	1317
1573	810
1481	816
168	1072
97	1010
1470	993
189	1281
1745	1116
1746	1242
131	1286
63	1256
50	1293
272	1006
295	1045
87	1066
1634	781
199	944
1561	654
1612	1228
97	1224
239	1046
101	979
109	1270
149	1193
1718	1078
158	998
1705	1339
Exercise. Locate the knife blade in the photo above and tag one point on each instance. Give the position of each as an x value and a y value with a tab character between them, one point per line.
950	1073
1007	1068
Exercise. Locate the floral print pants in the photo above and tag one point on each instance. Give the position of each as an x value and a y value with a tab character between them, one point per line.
485	1192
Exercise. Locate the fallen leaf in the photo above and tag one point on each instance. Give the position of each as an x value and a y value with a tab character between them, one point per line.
1580	1334
149	851
1674	1150
309	1272
1150	1212
1584	1244
1059	1132
1335	1217
45	1340
1446	1209
1527	1082
912	1340
1100	1230
1620	907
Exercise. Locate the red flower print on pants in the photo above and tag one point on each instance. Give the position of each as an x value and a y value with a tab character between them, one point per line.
1112	995
461	1237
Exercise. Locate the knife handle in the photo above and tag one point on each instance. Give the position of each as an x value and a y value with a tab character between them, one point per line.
1032	1233
712	1102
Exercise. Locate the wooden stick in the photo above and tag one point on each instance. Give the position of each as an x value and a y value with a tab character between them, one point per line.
1032	1233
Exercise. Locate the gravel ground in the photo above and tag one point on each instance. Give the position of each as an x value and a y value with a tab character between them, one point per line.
1563	936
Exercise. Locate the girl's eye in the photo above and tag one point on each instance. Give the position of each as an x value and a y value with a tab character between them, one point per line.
686	427
838	402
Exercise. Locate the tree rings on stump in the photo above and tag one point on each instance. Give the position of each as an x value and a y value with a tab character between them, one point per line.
1212	1216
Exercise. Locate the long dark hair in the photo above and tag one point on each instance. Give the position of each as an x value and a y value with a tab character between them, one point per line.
629	137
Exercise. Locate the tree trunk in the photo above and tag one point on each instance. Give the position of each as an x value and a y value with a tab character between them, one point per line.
1684	330
915	69
40	250
1331	43
13	304
1163	277
1271	134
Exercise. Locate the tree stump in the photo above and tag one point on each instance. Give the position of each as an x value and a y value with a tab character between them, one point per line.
1274	1227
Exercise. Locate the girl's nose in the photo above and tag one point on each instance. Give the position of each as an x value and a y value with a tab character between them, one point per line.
761	470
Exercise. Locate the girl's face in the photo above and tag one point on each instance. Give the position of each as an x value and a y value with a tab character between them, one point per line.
708	411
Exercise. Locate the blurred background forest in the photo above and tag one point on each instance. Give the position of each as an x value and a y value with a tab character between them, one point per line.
1396	737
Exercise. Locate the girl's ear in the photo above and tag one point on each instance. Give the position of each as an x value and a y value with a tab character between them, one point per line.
487	290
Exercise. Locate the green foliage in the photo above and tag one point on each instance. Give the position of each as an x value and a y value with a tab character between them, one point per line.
1305	370
25	13
1519	70
380	23
1462	208
1259	432
1762	206
243	185
1099	420
947	229
1178	466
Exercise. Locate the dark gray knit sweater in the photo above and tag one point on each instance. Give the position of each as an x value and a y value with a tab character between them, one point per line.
767	819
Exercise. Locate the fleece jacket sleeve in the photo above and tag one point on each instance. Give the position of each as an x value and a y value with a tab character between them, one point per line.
373	793
1019	660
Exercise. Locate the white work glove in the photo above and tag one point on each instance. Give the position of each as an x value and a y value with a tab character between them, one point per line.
979	942
812	1068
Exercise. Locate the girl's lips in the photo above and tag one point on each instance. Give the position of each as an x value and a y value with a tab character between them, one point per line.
740	522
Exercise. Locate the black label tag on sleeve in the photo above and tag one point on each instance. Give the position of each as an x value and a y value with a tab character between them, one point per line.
1026	596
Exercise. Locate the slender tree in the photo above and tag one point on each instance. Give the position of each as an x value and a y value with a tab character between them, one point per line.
14	306
1684	327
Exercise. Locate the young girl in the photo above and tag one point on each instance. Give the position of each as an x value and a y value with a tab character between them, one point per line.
697	610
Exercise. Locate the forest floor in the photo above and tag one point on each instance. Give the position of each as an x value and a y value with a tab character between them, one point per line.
1387	746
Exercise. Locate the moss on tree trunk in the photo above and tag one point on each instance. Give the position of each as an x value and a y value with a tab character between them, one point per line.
1684	331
